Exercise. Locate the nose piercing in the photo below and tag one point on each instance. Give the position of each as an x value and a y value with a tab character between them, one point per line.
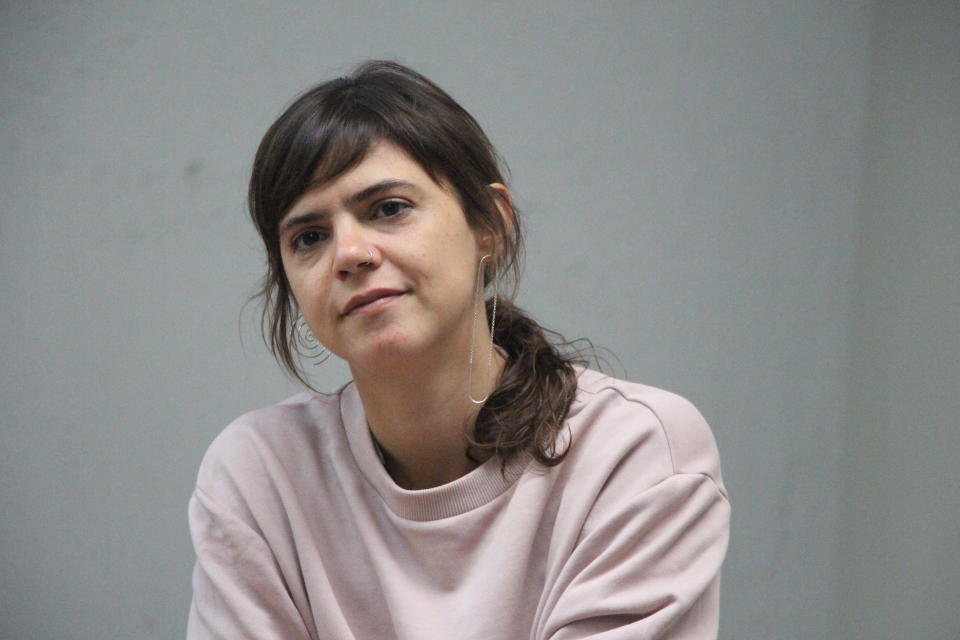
369	261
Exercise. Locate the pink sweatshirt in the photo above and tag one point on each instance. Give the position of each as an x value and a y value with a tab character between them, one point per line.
300	532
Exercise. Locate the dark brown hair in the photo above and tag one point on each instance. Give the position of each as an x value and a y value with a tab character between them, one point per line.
328	130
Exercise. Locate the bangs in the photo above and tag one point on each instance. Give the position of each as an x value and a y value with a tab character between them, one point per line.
320	151
330	143
340	140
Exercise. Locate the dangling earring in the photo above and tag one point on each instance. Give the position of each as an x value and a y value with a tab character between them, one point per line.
303	337
478	293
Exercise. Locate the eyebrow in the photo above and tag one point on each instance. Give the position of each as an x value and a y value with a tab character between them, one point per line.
350	201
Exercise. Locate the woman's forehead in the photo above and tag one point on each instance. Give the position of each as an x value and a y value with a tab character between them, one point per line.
385	166
381	158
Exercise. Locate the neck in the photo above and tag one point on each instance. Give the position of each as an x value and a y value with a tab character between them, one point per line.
422	415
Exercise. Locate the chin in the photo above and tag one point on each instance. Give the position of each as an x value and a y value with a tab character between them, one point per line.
387	350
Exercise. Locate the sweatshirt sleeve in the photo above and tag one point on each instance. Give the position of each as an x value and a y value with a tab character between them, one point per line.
649	569
238	589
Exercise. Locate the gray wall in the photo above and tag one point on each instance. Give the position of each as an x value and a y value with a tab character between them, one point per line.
900	530
713	190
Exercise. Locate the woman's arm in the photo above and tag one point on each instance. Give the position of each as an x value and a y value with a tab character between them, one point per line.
648	568
238	589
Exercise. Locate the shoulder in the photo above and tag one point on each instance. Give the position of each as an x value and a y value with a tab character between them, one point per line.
658	431
268	442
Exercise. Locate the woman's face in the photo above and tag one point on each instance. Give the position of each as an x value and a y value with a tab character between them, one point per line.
382	263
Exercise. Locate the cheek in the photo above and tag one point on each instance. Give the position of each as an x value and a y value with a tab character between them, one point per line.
295	282
451	263
309	292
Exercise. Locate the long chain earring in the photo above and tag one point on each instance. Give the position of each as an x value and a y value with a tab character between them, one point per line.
478	293
303	337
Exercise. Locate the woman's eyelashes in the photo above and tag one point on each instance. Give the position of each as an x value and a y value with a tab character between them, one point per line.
389	209
383	210
308	239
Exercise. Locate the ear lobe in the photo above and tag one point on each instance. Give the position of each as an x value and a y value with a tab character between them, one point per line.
485	242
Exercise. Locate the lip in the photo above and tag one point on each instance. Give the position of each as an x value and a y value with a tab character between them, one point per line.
372	300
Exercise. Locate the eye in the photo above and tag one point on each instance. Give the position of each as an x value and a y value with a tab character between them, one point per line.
389	209
307	239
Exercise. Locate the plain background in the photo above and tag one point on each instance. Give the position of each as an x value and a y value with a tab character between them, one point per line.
753	204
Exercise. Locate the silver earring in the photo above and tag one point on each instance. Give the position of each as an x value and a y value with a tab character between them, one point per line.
478	292
303	337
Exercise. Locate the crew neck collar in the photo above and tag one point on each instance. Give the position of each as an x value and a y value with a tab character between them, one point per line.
468	492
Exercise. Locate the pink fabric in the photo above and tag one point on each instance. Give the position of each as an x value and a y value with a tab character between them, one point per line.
301	533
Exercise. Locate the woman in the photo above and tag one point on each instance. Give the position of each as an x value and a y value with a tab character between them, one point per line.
471	481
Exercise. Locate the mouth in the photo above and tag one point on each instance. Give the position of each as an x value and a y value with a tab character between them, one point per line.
371	301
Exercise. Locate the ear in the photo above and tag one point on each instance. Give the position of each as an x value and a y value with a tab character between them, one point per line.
504	204
501	197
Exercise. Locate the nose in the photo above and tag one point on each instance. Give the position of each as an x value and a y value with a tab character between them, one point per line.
353	251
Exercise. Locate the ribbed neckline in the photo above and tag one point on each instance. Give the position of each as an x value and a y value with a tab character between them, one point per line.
466	493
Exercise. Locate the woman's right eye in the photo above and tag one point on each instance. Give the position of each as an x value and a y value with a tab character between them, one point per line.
307	239
390	209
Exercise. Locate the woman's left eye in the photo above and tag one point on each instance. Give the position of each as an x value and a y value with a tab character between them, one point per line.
390	208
